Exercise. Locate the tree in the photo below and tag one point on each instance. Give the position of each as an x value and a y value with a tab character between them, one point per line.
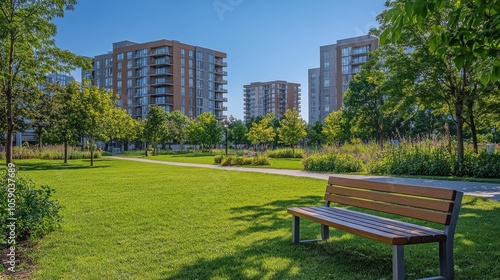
262	132
94	114
292	129
194	132
211	132
237	131
459	59
469	34
27	53
155	126
314	134
365	104
177	127
64	115
333	131
121	126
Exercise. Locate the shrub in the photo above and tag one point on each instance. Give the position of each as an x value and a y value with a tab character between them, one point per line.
36	213
237	160
218	159
481	165
286	153
261	160
340	163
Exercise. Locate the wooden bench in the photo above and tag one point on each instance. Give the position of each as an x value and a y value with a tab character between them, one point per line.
440	206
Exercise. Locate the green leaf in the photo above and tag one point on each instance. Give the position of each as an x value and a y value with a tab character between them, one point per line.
485	79
384	35
459	61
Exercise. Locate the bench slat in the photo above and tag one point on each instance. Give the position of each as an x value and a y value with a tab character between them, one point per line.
437	205
414	233
436	217
430	192
355	229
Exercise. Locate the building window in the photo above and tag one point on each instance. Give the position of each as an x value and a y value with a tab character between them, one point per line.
183	81
183	62
199	55
129	73
119	84
182	71
183	91
183	52
129	64
191	54
326	82
345	60
345	69
119	75
129	83
326	55
129	55
346	51
190	63
119	65
97	64
119	56
326	65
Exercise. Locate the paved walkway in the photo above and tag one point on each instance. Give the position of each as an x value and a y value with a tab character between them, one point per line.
487	190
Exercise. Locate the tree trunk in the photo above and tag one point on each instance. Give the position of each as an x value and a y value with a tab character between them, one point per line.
91	143
40	142
460	136
65	151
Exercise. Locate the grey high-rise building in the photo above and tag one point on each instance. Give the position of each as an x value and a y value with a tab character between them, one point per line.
338	63
274	97
170	74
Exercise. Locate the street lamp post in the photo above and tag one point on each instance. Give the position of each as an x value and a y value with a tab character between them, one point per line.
225	130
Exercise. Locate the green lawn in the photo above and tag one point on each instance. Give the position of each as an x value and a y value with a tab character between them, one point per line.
279	163
129	220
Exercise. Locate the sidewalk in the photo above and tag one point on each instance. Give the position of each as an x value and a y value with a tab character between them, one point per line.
486	190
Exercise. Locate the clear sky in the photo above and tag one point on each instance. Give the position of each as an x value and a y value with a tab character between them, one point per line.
264	40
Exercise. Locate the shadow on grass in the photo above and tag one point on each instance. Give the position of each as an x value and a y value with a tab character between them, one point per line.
27	166
344	256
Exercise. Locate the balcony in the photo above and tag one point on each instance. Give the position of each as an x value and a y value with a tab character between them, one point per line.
161	73
162	61
220	81
220	62
162	82
220	72
223	90
160	52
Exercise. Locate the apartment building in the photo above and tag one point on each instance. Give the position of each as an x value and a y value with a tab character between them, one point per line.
170	74
338	63
276	97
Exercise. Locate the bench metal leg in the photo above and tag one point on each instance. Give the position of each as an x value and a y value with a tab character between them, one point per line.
398	262
325	232
446	260
295	229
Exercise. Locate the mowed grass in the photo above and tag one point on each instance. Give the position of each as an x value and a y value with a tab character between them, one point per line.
130	220
278	163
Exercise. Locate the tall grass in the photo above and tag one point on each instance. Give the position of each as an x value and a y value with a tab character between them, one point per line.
49	152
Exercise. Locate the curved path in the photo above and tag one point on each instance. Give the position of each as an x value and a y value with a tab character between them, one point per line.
486	190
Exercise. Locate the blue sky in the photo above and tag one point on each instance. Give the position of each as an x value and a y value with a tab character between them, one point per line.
264	40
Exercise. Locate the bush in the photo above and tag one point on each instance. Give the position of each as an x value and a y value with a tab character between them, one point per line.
238	160
286	153
37	214
482	165
339	163
218	159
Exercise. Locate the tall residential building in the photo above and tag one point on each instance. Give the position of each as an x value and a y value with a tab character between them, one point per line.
276	97
338	63
169	74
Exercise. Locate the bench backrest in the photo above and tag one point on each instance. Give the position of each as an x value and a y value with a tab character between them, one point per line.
424	203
